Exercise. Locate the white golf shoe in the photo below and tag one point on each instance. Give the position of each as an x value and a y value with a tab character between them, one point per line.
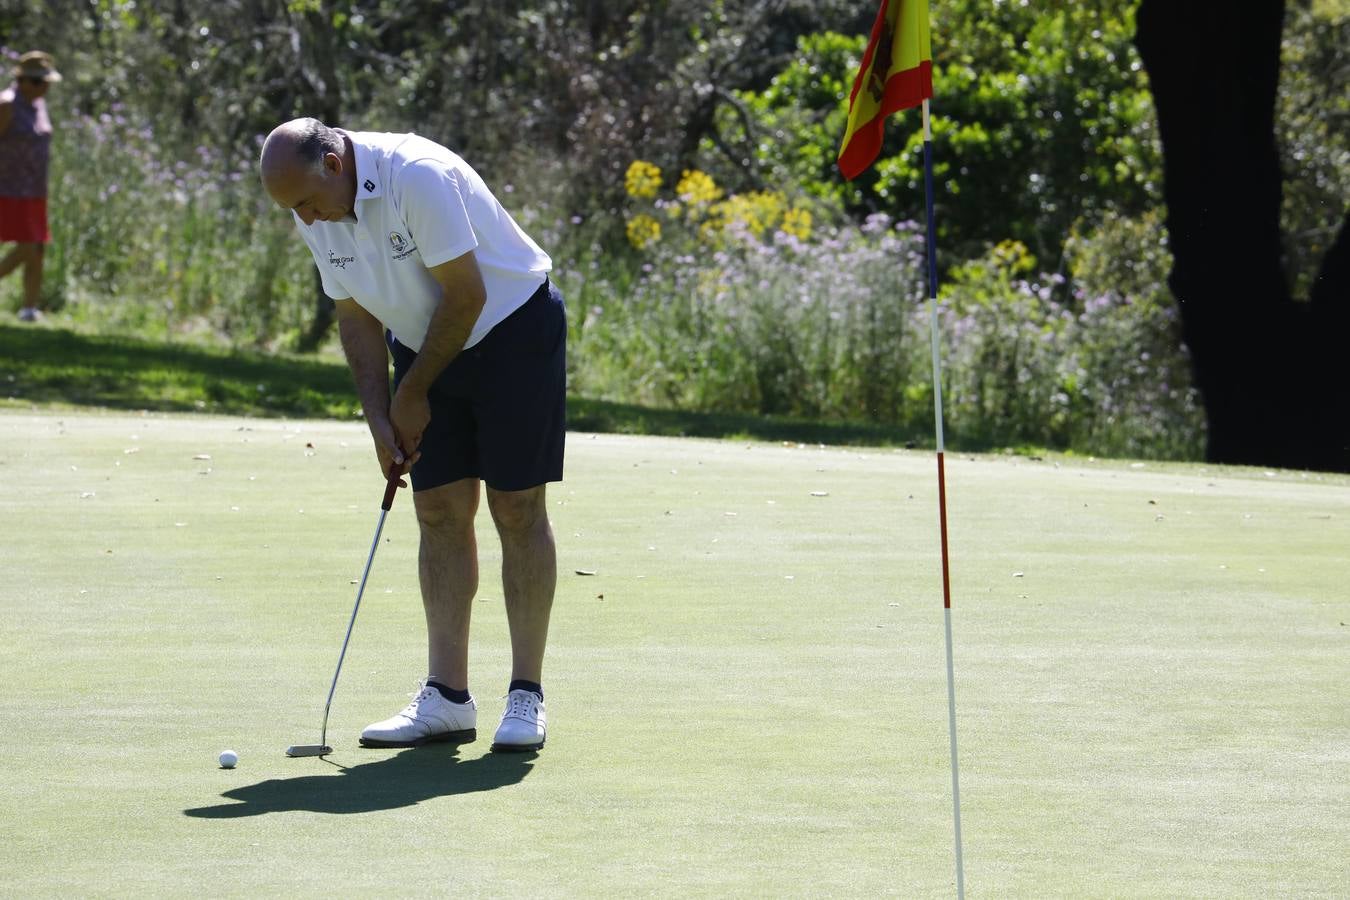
522	725
428	718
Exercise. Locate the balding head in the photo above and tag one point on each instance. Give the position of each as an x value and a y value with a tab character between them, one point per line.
309	168
298	143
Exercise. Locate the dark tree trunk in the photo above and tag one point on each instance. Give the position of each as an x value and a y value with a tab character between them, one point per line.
1263	362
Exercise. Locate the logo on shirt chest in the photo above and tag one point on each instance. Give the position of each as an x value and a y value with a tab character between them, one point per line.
339	262
401	246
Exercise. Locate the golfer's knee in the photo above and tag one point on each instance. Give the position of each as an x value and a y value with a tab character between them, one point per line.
446	509
518	512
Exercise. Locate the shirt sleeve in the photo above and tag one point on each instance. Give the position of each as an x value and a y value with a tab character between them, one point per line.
331	286
432	198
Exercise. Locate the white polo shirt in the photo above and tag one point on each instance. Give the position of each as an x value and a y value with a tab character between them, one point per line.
419	205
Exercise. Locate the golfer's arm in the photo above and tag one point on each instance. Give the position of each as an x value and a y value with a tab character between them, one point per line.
462	299
367	355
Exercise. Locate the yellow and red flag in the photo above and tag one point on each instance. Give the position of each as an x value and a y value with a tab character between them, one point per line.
896	73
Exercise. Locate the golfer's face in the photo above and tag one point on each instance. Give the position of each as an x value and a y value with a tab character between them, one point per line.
313	196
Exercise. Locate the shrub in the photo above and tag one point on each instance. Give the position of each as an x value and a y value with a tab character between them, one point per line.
732	306
1092	361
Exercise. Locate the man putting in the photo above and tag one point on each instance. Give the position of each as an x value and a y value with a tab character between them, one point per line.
425	264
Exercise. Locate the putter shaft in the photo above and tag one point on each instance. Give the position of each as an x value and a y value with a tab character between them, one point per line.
322	748
379	527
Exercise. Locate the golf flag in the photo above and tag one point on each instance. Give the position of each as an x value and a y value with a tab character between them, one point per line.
896	73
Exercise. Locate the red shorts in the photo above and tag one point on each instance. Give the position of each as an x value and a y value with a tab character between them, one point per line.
24	219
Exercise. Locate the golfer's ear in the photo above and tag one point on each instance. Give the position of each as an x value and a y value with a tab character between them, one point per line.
333	163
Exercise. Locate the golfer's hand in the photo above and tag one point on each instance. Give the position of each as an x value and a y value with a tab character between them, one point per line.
410	413
387	450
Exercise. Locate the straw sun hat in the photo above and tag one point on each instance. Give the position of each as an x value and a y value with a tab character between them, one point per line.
36	64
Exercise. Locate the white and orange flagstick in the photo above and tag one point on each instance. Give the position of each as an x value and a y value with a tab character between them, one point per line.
942	485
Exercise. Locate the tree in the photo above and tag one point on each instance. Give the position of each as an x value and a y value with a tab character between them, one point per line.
1269	365
1041	116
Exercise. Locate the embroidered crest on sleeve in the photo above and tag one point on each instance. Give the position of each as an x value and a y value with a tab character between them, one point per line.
402	247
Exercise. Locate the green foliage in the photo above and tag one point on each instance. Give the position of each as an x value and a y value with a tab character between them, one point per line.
1092	361
1041	119
1043	136
775	326
834	328
158	245
795	123
1314	107
1138	389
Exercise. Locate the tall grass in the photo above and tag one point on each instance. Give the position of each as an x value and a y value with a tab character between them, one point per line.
784	326
728	313
160	241
1091	361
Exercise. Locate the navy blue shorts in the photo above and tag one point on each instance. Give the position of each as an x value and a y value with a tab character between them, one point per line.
498	411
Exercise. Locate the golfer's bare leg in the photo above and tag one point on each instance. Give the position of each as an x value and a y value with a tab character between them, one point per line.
529	574
32	276
15	258
448	570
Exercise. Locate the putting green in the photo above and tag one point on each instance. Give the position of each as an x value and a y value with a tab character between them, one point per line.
747	697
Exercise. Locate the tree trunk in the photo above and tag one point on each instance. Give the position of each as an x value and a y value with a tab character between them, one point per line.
1262	361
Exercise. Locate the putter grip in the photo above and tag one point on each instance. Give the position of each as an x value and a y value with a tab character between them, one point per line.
390	489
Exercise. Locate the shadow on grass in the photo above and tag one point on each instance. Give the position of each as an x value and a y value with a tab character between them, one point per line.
406	779
624	418
47	366
58	366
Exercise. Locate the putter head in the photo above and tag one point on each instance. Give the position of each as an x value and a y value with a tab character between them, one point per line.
308	750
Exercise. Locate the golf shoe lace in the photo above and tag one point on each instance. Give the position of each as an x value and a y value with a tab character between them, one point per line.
422	693
519	704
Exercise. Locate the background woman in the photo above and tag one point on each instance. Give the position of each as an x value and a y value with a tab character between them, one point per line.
25	148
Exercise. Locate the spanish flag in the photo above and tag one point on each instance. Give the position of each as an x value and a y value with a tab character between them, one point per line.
896	73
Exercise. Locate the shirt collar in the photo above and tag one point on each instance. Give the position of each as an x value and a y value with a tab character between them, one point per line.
368	184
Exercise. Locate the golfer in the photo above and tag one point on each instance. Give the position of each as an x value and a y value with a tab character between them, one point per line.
25	149
425	264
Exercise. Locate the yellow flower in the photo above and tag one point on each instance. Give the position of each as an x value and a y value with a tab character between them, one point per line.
697	187
1014	256
756	211
643	230
642	179
797	222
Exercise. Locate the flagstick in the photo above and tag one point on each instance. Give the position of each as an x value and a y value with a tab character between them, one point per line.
942	487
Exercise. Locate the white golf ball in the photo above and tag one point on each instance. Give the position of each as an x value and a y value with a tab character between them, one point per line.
228	758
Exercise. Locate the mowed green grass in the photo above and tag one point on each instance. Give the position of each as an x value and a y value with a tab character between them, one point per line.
747	697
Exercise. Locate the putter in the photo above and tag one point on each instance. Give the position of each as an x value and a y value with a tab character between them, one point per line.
322	748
